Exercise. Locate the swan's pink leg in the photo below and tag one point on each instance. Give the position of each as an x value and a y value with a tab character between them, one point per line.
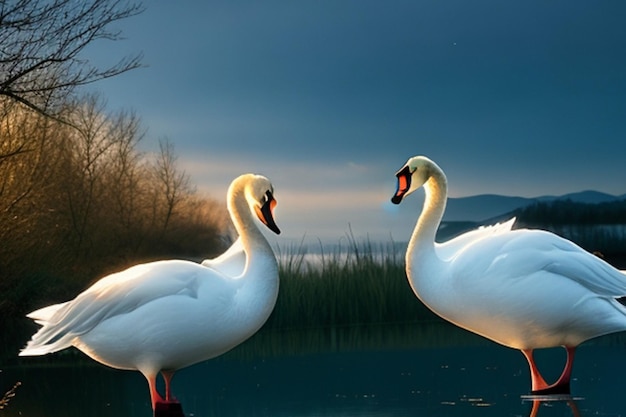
565	377
154	394
539	384
167	376
537	381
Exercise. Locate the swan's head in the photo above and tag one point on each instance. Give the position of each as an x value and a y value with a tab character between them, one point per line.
259	193
412	176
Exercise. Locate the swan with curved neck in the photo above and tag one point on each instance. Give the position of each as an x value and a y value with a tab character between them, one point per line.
166	315
525	289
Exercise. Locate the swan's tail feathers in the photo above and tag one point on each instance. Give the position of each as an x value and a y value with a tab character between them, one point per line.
43	315
56	333
42	343
37	350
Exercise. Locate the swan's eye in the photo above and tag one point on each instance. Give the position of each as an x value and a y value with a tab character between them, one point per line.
266	197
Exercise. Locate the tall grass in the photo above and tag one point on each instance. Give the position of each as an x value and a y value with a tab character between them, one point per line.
354	297
356	285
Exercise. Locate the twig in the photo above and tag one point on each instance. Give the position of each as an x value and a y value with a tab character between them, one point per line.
8	395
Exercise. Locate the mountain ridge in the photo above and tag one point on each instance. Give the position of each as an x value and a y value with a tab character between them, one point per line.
481	207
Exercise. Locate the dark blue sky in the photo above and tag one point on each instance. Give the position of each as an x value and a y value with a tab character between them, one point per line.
328	98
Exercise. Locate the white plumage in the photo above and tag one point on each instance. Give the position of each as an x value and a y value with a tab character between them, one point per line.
166	315
525	289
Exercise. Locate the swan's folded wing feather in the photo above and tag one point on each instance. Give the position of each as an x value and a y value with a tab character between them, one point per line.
564	258
523	253
231	263
592	273
450	248
113	295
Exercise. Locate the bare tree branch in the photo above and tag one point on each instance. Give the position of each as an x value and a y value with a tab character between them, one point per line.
40	46
175	184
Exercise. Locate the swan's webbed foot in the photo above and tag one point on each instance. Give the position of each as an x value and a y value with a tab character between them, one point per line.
168	409
554	389
539	385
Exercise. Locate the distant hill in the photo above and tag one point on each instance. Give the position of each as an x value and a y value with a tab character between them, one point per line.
595	221
482	207
588	197
488	206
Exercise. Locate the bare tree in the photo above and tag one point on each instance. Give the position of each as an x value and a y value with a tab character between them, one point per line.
76	203
172	185
28	218
96	145
41	43
126	180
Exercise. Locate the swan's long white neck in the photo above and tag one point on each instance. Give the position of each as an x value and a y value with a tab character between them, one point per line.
252	240
422	243
259	280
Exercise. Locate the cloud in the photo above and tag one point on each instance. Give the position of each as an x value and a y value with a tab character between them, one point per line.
329	103
313	200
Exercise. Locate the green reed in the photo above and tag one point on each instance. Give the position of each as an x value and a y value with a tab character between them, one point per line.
354	297
356	285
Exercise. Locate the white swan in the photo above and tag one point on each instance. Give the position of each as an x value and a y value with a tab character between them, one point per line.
525	289
166	315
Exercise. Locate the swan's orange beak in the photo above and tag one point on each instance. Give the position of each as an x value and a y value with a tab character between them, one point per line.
265	213
404	184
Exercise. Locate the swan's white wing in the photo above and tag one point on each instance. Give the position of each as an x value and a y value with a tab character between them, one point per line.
524	253
591	272
450	248
113	295
231	263
530	288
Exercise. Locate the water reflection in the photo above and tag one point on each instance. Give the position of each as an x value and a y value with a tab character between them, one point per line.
570	402
550	401
469	381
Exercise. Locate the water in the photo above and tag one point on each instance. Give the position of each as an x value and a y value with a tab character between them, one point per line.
484	380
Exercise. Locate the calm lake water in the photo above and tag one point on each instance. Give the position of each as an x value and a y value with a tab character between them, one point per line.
481	379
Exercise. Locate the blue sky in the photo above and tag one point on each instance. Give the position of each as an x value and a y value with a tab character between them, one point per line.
329	98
